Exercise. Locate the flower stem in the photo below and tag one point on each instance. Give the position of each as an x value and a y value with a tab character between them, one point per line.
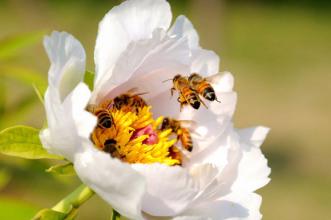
74	199
115	215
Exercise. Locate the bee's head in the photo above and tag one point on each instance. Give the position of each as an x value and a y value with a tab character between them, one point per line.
121	100
110	145
176	78
165	123
118	102
192	76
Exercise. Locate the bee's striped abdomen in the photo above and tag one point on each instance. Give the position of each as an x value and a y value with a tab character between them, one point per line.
191	97
104	119
186	139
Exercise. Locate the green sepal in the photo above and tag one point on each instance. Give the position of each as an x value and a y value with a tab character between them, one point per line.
115	215
49	214
89	79
24	142
68	207
66	169
72	214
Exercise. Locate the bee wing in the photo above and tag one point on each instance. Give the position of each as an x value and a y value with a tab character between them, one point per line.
214	78
135	91
91	107
188	124
191	125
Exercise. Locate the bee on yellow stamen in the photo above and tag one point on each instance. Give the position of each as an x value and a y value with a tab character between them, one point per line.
131	134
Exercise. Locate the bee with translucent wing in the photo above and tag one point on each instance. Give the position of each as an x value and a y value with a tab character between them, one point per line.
202	85
181	129
105	131
130	101
186	94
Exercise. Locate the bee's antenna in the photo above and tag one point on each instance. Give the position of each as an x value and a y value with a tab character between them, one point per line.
218	101
166	80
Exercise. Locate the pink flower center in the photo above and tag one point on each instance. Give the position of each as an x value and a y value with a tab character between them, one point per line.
148	130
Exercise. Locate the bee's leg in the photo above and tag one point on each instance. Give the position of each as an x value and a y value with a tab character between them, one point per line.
172	91
204	104
176	154
112	120
179	100
179	134
182	101
217	100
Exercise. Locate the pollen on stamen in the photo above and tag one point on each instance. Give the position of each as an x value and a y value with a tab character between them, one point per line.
135	137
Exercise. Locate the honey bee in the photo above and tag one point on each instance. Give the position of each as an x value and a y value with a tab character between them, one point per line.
175	153
202	86
105	118
105	129
129	102
111	147
182	101
183	134
186	94
101	136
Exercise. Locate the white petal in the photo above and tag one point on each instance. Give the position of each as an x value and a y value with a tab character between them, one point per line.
69	125
114	181
206	177
204	62
67	57
165	105
131	21
149	217
215	150
169	189
203	173
184	28
191	218
254	136
253	170
233	207
225	154
146	64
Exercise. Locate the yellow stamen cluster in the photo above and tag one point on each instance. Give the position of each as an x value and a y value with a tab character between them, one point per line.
133	149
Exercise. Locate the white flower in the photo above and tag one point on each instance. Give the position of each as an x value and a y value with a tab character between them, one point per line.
137	48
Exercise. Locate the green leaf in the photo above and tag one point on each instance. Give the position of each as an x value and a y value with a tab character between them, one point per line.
49	214
9	46
66	169
24	142
89	79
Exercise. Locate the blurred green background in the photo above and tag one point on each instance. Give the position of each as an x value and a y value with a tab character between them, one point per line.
279	52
